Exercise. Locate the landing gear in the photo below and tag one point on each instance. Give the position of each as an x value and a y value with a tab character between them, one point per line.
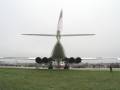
66	65
50	66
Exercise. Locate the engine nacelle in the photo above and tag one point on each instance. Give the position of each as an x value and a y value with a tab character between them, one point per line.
45	60
50	59
71	60
66	60
78	60
38	60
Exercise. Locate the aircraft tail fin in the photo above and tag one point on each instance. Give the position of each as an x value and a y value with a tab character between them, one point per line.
59	28
60	21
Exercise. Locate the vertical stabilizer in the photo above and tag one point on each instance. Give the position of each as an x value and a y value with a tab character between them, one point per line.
60	21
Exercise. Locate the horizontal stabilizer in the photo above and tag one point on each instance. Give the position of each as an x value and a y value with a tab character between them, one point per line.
40	34
62	35
77	34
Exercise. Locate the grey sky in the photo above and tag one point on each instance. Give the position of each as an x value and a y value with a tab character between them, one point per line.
101	17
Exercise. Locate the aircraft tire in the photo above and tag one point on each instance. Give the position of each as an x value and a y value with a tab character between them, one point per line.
66	67
50	67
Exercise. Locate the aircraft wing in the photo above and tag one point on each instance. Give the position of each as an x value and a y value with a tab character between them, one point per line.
100	58
89	59
40	34
17	58
77	35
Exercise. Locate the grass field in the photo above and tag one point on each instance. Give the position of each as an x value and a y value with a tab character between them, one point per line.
28	79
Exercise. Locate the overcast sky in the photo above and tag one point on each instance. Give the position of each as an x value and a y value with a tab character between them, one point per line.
101	17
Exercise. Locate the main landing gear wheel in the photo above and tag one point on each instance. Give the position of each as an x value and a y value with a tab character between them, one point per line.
66	66
50	66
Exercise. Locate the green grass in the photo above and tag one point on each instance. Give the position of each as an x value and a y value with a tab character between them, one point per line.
24	79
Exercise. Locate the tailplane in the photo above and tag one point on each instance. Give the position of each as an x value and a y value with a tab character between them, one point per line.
59	28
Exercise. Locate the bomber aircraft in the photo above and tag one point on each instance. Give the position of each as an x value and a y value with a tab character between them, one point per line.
58	55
